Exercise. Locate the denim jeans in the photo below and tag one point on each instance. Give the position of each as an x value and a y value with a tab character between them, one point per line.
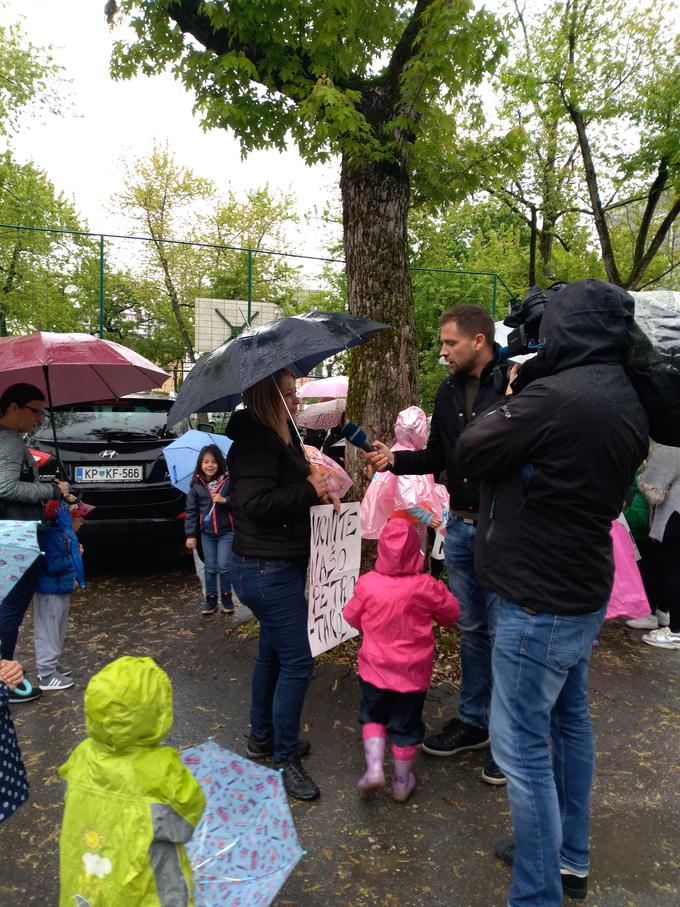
477	622
540	669
13	607
275	593
217	558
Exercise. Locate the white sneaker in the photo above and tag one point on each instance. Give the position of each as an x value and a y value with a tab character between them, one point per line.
650	621
664	638
55	681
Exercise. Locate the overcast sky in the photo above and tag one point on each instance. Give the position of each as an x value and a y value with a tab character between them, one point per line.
106	121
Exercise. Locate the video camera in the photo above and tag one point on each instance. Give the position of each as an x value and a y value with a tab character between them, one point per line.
525	317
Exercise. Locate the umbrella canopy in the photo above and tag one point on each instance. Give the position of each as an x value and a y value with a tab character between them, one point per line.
298	343
245	846
18	549
335	386
326	415
78	367
181	455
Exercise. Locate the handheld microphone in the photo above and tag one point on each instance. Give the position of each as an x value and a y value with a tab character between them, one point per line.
356	436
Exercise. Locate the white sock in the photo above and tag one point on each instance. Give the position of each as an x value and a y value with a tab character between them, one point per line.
580	873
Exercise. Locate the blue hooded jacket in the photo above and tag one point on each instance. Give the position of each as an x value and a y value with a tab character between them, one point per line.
63	564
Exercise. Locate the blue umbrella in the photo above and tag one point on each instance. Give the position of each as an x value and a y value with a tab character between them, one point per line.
18	549
245	846
297	343
181	455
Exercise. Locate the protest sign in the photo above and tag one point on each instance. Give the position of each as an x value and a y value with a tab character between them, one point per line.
333	571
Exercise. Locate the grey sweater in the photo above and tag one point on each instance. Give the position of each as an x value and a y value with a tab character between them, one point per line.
660	484
21	494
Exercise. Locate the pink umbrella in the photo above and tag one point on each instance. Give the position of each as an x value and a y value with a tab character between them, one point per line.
326	415
335	386
75	368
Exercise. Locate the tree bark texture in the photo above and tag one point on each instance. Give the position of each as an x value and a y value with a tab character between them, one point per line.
384	371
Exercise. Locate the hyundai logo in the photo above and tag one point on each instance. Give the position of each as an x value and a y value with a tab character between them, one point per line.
108	454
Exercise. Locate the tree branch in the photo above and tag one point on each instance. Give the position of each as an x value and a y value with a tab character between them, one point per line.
639	269
653	197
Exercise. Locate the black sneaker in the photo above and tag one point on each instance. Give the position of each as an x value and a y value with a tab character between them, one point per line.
226	603
24	692
575	887
455	737
297	782
262	749
492	774
210	604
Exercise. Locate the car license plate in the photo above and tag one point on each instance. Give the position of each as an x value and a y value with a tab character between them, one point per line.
109	473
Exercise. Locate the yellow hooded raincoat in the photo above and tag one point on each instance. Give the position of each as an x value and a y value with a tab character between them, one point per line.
130	803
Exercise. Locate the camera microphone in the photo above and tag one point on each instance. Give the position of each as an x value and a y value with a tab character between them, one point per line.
356	436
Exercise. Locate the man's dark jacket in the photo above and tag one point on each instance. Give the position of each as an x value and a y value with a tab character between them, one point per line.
269	492
448	421
557	458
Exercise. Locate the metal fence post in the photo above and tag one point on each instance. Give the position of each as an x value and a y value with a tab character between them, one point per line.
250	284
101	285
493	295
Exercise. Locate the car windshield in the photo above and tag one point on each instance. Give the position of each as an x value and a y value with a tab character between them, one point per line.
127	420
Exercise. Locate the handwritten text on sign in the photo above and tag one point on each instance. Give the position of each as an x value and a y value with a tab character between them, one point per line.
333	572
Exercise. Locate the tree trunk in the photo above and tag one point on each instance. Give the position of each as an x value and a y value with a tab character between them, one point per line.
383	372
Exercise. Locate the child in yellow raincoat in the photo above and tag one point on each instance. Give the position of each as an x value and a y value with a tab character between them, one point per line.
130	803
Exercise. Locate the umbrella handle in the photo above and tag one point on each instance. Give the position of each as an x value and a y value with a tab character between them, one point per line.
61	469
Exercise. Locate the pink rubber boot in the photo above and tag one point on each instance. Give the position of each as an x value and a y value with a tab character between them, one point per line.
374	750
404	781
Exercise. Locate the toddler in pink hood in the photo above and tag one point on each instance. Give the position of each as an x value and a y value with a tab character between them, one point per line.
394	606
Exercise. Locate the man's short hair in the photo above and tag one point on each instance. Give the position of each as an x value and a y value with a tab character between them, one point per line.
21	394
471	319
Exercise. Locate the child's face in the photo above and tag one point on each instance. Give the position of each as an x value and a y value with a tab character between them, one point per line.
77	522
209	466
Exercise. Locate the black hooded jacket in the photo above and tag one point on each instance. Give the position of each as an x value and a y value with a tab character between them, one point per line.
448	421
557	458
269	492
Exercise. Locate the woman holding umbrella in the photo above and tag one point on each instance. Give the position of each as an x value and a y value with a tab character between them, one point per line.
272	489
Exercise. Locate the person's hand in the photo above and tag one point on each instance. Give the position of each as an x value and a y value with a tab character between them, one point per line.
435	522
381	458
514	372
63	488
82	550
218	498
11	673
191	544
319	480
332	498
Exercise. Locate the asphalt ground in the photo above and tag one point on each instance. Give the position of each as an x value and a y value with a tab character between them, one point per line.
437	849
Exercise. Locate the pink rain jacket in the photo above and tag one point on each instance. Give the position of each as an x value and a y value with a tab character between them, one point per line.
394	606
387	492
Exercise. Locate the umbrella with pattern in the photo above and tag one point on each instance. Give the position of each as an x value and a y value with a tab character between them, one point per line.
18	549
245	846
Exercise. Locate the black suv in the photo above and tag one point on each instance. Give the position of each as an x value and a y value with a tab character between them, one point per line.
113	454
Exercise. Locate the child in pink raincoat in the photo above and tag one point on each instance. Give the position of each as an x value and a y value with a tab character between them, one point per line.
394	606
416	498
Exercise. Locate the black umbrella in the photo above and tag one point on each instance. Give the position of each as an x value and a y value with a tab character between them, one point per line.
298	343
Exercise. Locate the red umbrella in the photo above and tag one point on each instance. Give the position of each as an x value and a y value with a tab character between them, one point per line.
75	368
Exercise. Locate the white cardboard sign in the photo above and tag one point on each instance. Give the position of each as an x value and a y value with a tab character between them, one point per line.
334	565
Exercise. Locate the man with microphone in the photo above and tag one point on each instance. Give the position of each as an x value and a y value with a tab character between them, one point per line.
467	344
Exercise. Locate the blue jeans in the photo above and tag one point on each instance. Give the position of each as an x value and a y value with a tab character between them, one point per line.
275	593
540	669
477	622
217	558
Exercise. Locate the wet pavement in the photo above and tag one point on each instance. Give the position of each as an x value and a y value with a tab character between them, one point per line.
435	850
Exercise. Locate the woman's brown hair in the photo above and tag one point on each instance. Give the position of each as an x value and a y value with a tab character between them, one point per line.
265	402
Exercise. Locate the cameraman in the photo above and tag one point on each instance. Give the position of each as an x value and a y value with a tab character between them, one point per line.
555	460
467	343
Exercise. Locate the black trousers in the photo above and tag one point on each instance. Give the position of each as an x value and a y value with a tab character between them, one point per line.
401	712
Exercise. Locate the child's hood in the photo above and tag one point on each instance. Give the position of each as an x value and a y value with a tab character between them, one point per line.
410	429
129	703
399	551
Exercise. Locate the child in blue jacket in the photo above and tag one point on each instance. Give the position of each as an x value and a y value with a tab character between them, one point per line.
63	573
